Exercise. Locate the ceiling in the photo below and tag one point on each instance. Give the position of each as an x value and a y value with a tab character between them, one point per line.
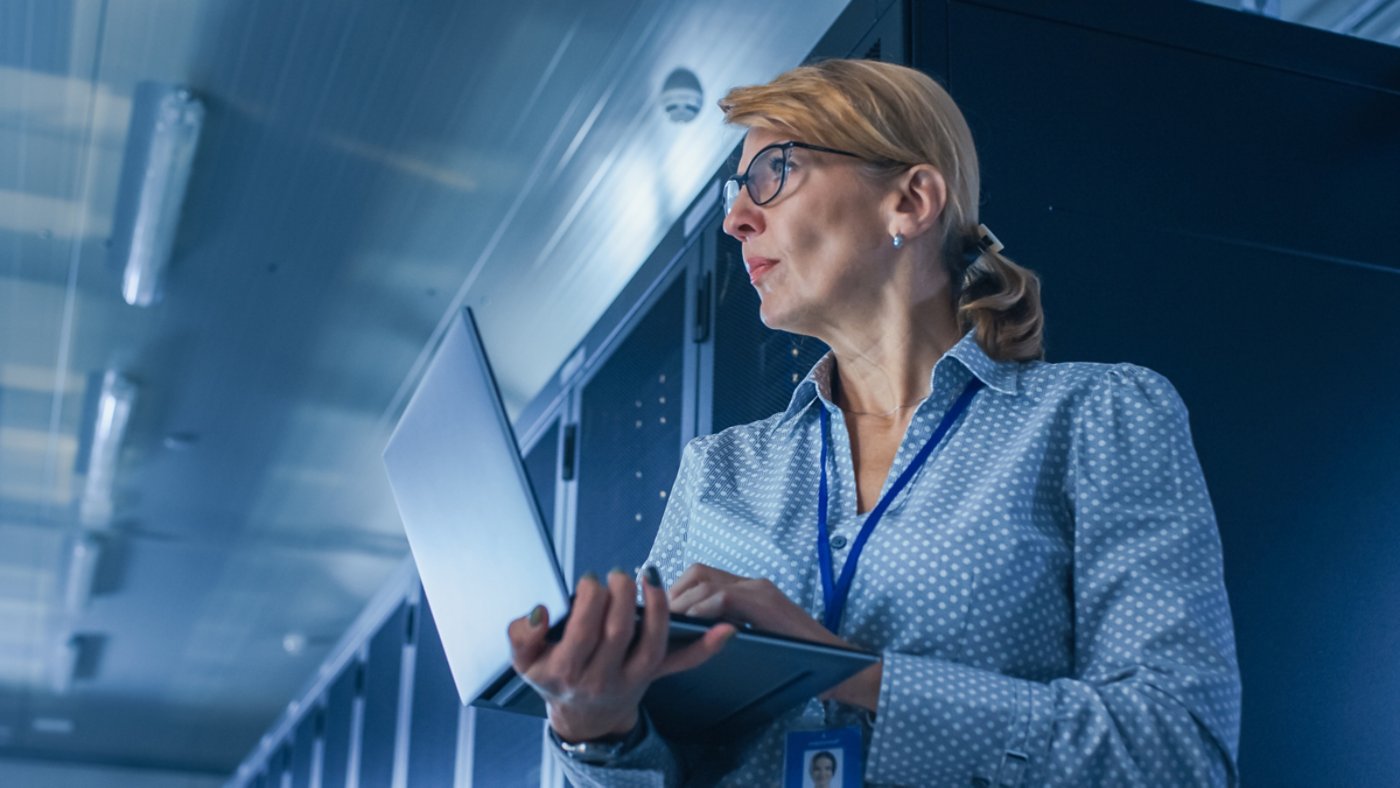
365	168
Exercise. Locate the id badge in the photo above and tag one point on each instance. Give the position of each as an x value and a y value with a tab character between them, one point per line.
828	758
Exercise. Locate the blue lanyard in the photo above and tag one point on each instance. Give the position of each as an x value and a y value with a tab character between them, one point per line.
835	593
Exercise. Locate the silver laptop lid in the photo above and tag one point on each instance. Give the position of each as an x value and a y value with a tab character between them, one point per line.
482	549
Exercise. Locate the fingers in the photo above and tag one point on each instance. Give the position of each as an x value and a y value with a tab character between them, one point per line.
650	647
736	599
698	574
527	638
712	604
619	623
698	652
582	633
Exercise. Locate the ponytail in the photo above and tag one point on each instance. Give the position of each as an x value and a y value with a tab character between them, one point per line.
997	298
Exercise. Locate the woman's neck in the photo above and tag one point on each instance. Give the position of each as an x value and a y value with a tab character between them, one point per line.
883	366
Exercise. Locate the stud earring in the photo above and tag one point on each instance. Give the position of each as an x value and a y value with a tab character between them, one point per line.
898	240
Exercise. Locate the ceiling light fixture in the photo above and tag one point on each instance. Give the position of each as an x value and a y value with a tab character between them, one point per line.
165	125
114	405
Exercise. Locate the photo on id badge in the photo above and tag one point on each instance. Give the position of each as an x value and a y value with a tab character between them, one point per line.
822	759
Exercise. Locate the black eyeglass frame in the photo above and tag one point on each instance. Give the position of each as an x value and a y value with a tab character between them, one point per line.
734	183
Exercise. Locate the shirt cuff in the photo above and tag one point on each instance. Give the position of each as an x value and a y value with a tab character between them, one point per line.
650	764
941	723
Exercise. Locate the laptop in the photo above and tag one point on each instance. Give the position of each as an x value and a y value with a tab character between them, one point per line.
485	557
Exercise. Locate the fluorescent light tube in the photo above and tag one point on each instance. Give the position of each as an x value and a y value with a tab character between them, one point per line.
165	125
114	405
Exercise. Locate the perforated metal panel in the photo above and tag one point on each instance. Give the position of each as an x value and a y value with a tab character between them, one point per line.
755	367
630	439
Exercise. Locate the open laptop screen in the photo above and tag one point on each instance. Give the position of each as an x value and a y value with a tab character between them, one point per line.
469	512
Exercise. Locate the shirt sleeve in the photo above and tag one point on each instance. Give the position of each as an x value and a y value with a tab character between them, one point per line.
1154	697
653	763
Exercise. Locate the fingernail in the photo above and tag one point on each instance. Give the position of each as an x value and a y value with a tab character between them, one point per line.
617	570
589	575
536	615
653	576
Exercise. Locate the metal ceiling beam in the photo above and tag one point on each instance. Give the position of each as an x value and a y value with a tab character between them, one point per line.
1352	22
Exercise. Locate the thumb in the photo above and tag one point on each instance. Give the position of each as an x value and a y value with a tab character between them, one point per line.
697	653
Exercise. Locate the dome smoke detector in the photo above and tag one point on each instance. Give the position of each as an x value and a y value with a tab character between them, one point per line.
681	96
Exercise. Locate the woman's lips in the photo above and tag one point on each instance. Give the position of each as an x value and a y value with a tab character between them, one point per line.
757	266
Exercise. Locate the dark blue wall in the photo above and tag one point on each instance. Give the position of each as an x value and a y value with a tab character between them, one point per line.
1213	195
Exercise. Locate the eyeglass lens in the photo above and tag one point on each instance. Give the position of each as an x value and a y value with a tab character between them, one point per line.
764	178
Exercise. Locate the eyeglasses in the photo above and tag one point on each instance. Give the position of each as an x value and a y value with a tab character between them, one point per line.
767	173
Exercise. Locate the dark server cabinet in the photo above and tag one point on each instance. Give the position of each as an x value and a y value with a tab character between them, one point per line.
383	676
304	737
542	468
755	368
278	765
1213	195
340	733
506	748
629	437
432	748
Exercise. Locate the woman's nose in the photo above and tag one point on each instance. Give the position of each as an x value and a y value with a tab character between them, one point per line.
745	220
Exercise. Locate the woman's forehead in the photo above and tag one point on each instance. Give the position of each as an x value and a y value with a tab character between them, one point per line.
757	139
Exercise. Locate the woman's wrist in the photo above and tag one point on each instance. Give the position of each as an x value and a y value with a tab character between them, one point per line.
861	690
593	727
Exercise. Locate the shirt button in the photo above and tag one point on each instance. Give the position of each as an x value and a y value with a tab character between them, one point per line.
838	541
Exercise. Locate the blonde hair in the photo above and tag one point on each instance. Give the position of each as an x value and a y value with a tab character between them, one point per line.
895	117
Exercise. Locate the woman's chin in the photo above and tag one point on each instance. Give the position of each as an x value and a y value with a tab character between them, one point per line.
775	315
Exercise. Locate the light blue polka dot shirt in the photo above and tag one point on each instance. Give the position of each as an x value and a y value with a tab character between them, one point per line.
1046	594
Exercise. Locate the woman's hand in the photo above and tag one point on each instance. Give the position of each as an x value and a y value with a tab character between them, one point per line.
706	592
594	678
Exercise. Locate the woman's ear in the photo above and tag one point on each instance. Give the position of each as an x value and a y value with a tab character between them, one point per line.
920	194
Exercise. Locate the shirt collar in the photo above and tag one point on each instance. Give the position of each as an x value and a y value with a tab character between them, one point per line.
1000	376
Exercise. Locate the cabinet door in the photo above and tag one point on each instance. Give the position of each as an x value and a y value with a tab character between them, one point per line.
432	749
629	438
341	699
304	750
383	674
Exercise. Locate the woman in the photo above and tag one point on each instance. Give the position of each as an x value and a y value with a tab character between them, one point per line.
1038	561
822	770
